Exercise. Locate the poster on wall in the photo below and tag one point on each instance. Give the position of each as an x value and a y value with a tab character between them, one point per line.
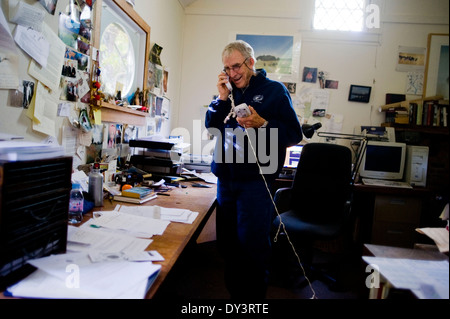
414	83
410	59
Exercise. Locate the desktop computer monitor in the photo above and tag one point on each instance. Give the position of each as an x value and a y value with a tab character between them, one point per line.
383	160
292	156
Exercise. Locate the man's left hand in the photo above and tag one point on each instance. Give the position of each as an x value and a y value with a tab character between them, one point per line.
254	120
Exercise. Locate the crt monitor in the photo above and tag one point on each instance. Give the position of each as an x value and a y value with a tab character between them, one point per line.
383	160
292	156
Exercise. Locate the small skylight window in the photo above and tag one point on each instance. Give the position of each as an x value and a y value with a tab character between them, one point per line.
339	15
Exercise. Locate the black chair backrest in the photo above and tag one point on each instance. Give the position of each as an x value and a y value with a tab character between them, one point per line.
322	183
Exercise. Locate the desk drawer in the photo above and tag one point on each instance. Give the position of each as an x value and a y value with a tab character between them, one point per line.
394	234
397	209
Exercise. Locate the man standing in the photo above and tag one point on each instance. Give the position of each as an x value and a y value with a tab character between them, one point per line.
244	168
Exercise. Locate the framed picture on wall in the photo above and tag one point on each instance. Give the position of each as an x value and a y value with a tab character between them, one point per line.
359	93
436	70
279	55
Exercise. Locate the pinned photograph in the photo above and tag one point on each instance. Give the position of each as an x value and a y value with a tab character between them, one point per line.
309	75
28	92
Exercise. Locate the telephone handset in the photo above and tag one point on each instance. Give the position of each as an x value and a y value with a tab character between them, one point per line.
242	110
228	84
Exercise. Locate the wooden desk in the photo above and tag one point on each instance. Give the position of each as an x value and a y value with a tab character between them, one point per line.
419	253
177	235
389	216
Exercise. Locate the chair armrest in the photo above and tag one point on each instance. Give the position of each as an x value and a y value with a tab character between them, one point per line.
282	199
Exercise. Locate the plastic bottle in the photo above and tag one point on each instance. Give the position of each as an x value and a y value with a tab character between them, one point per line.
76	203
96	185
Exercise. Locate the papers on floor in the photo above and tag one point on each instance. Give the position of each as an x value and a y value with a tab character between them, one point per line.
425	278
163	213
74	275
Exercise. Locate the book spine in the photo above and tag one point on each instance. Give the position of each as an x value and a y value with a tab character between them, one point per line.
430	112
419	114
136	192
444	116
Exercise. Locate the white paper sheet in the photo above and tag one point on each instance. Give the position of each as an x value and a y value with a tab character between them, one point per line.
131	224
426	279
33	43
157	212
9	59
51	75
73	275
85	238
27	15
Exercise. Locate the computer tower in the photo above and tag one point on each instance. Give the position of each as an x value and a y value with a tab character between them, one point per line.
34	202
416	165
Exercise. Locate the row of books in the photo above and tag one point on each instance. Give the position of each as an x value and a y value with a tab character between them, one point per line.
426	113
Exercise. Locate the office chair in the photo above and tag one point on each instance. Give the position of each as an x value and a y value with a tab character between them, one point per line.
317	205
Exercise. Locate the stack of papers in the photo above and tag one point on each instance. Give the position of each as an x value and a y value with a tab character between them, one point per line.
74	275
19	150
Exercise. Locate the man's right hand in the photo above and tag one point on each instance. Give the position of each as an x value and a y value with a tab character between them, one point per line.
221	86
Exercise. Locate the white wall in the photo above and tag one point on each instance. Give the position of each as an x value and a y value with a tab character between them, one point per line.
369	59
193	39
166	19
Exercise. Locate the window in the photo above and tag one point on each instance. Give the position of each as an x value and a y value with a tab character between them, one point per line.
339	15
123	40
117	59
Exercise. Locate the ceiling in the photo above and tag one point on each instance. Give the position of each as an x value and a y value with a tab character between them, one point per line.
186	3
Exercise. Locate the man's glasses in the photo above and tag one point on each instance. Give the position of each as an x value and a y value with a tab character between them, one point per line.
235	67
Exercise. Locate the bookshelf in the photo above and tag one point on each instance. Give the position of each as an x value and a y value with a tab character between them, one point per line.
428	112
435	135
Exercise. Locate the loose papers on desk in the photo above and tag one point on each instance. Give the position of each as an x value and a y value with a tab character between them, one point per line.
85	238
425	278
131	224
169	214
74	275
439	235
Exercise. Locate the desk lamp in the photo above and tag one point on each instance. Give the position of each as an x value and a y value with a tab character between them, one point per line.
354	137
309	129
